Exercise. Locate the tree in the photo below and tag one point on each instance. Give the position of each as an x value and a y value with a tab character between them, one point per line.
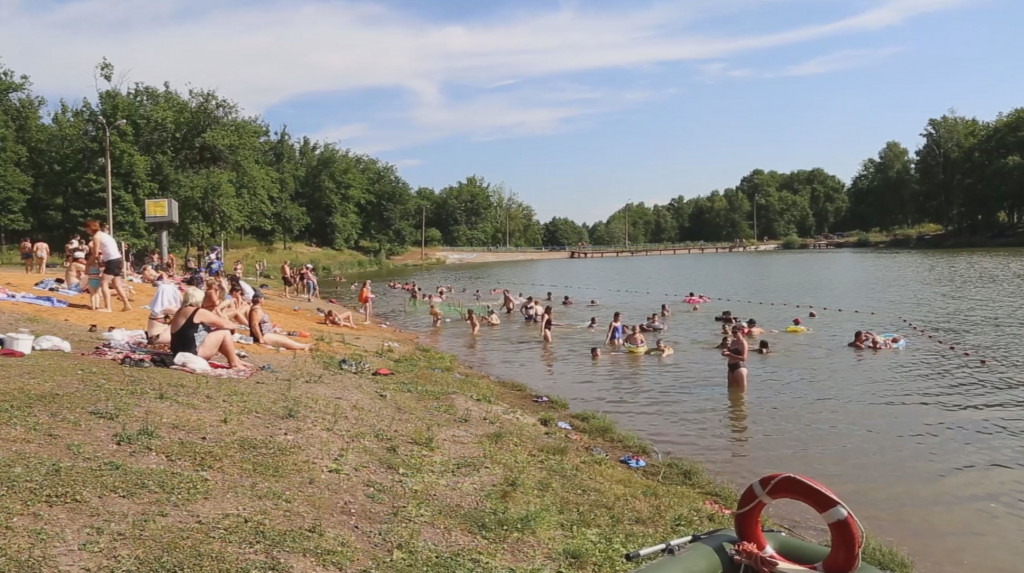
943	165
562	231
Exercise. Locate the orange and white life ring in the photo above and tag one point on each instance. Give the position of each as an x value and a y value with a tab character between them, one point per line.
845	530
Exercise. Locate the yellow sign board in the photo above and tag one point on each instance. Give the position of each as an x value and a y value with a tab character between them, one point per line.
156	208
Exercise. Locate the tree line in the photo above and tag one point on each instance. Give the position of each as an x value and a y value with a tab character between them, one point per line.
233	175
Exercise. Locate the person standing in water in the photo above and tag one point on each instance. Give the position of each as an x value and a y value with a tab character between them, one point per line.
106	253
615	330
737	360
474	323
546	323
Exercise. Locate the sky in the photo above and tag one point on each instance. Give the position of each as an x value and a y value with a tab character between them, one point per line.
576	106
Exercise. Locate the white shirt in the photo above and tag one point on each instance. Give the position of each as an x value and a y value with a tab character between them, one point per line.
108	247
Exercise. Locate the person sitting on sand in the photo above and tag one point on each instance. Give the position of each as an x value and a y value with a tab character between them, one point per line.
237	308
635	338
492	317
335	319
436	316
204	333
566	301
762	347
474	322
261	328
661	349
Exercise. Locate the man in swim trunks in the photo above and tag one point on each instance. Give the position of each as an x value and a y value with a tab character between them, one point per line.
26	254
507	302
286	278
861	339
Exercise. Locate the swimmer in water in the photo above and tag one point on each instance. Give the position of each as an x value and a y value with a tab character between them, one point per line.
762	347
566	301
615	330
696	308
665	311
812	314
592	303
737	360
723	344
635	338
593	322
549	299
595	352
492	317
753	329
861	339
661	349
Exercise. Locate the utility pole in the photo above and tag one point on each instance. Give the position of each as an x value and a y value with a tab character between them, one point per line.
423	235
110	192
627	224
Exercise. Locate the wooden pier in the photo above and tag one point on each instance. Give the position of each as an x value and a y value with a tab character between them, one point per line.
600	254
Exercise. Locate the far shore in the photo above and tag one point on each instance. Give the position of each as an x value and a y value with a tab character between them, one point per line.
484	256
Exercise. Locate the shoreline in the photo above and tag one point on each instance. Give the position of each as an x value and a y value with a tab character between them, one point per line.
414	440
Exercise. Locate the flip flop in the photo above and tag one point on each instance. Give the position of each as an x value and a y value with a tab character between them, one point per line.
541	399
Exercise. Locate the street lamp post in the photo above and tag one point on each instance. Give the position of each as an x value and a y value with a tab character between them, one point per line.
110	181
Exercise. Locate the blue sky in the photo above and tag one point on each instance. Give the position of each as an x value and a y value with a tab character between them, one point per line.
577	106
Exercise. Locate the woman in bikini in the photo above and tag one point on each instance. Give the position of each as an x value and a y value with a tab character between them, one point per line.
261	328
335	319
737	355
546	323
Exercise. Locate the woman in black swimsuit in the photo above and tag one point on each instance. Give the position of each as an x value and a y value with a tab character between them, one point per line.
202	332
737	355
546	324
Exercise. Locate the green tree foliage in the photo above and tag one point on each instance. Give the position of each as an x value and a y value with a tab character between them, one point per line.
233	176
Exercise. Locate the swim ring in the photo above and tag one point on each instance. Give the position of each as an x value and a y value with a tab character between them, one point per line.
649	327
636	349
796	329
695	300
902	343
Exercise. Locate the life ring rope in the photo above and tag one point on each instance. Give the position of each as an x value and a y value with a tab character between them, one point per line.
761	497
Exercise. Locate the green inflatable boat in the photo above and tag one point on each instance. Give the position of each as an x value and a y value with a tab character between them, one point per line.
712	553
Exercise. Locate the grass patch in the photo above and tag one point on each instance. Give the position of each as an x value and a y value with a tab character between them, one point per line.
886	557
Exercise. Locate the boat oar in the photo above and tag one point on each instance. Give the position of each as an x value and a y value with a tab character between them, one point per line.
662	547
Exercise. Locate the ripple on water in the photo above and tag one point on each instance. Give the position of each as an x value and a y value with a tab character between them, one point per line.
924	443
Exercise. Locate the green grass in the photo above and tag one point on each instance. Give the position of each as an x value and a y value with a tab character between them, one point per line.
435	469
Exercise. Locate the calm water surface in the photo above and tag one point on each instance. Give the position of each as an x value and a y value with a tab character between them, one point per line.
924	443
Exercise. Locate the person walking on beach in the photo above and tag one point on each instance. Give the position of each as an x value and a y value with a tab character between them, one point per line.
40	253
286	278
26	254
366	299
106	253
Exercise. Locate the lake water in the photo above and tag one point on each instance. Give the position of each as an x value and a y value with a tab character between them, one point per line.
924	443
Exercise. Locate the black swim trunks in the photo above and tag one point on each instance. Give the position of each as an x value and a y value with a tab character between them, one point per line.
113	267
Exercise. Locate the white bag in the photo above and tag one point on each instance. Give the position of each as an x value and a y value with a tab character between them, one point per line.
51	343
192	362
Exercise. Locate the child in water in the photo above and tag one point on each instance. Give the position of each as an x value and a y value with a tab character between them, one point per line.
436	315
661	349
595	352
762	347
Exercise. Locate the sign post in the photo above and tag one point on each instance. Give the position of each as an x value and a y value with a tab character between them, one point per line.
163	213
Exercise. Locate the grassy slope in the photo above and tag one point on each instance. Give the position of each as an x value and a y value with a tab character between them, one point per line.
309	468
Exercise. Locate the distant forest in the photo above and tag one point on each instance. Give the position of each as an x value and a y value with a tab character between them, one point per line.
233	175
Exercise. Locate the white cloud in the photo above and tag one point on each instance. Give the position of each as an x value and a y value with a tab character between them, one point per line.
843	60
262	54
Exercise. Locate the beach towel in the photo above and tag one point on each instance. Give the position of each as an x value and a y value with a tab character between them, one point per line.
33	299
